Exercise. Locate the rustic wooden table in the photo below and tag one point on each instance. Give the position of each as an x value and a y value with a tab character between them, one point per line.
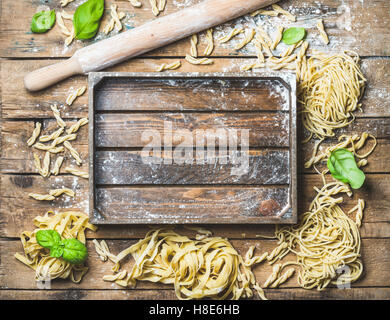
359	25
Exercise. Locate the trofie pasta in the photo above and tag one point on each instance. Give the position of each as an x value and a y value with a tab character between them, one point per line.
329	90
75	127
35	134
41	197
57	165
53	136
193	60
207	268
283	12
57	115
359	208
169	66
155	10
277	38
77	93
46	165
77	172
58	192
321	29
263	12
115	20
248	38
65	2
194	43
73	152
210	42
264	35
70	224
135	3
230	35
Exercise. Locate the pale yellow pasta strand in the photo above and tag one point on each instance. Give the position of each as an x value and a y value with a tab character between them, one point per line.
155	10
283	278
264	35
210	42
264	44
323	34
169	66
59	192
285	13
249	34
35	134
57	115
359	208
75	127
271	13
230	35
135	3
278	37
273	276
41	197
46	165
75	94
250	66
65	2
62	139
53	136
161	5
194	43
77	172
64	29
73	152
57	165
201	61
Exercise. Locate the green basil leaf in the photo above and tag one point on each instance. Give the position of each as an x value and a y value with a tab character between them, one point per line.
75	251
86	18
43	21
57	251
343	167
293	35
48	238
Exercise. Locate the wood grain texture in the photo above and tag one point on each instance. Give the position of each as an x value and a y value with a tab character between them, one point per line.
18	103
15	275
354	25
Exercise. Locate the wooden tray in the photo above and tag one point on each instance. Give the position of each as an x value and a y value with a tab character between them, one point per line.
125	189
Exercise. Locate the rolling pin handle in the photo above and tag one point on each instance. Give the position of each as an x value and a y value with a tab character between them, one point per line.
47	76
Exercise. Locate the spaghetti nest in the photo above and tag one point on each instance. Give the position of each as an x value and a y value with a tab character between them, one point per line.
207	268
326	242
70	224
329	90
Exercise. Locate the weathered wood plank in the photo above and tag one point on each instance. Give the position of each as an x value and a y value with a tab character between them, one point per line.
128	130
359	26
18	103
15	275
166	294
17	211
190	94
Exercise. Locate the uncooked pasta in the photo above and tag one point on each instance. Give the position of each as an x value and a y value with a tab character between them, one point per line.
75	127
329	91
271	13
194	43
73	152
135	3
324	241
69	224
59	140
59	192
283	278
54	135
207	268
264	44
264	35
359	208
46	165
283	12
210	42
169	66
115	21
35	134
259	51
323	34
56	149
249	34
250	66
75	94
57	115
273	276
230	35
193	60
278	37
57	165
161	5
41	197
77	172
155	10
65	2
61	24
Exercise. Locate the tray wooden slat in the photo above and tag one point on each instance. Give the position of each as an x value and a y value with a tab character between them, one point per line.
183	185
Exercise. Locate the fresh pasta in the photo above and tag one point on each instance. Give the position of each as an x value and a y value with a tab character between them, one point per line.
210	42
57	115
41	197
75	127
46	165
283	12
69	224
230	35
193	60
155	10
263	12
35	134
194	43
323	34
278	37
169	66
75	94
207	268
57	165
247	38
115	21
77	172
135	3
53	136
329	90
65	2
59	192
73	152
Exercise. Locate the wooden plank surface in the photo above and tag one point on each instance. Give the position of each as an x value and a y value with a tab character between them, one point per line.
15	275
355	25
362	26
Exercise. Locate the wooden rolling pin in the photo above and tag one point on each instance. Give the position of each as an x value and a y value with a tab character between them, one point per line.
154	34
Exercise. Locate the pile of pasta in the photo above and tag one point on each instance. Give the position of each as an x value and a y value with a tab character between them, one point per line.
69	224
205	268
329	89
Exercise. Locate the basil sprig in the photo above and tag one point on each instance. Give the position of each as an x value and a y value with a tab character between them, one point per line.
43	21
86	18
71	250
343	167
293	35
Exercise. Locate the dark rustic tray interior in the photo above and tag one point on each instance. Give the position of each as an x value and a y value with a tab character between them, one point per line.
126	190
